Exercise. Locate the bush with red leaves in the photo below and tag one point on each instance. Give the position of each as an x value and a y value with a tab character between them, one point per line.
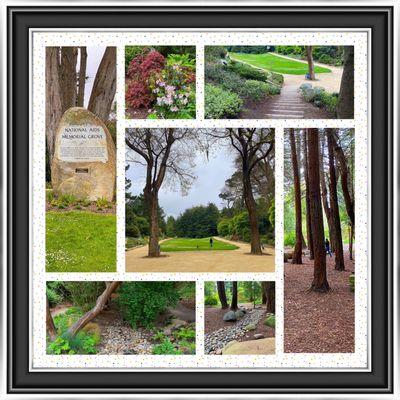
145	64
138	95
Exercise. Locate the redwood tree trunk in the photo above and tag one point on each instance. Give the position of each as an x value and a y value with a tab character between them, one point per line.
270	295
263	293
54	109
82	77
307	184
252	210
296	259
339	261
222	294
154	246
345	106
96	310
68	77
234	303
320	282
310	62
50	327
104	85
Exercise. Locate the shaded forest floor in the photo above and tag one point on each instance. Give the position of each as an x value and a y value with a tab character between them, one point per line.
318	322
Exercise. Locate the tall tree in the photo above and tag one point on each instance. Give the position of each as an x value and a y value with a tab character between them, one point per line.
253	146
307	198
68	80
222	294
95	311
160	151
81	76
234	302
54	110
320	282
310	62
270	296
345	106
104	86
50	327
297	252
339	261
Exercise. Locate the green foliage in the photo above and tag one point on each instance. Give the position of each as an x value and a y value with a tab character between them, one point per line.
53	293
49	195
186	290
159	337
142	302
185	60
270	321
250	291
251	49
257	91
170	229
198	222
103	203
319	97
209	288
221	103
211	300
80	241
201	244
184	333
215	53
225	227
84	294
352	282
131	52
131	242
166	348
247	71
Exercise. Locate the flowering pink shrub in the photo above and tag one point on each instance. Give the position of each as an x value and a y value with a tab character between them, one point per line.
138	95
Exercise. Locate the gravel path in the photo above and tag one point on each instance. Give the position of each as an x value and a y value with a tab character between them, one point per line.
218	339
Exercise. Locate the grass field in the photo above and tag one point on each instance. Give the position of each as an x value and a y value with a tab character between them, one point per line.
274	63
185	244
80	241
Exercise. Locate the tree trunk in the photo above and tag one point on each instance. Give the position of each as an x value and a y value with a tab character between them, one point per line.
351	242
296	259
320	282
68	77
82	77
263	293
270	295
252	210
104	85
234	304
339	261
345	106
50	327
310	62
222	294
96	310
307	184
54	109
154	246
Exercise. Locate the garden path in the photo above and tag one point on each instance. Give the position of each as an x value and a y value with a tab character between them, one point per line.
239	260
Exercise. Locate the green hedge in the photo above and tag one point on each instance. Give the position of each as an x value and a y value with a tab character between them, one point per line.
221	103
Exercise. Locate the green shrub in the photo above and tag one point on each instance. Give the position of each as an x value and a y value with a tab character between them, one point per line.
131	52
270	321
142	302
181	59
84	294
352	282
290	238
56	292
224	227
211	300
103	203
247	71
221	103
49	195
166	347
256	90
319	97
133	242
190	346
185	334
159	337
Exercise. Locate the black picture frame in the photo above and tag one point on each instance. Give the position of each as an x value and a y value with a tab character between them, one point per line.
380	20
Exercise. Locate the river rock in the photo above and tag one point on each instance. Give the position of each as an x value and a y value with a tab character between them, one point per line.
239	314
83	164
258	336
250	327
229	316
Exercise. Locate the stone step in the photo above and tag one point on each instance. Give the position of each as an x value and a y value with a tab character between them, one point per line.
283	116
286	112
291	106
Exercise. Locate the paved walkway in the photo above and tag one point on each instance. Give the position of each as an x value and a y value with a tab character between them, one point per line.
239	260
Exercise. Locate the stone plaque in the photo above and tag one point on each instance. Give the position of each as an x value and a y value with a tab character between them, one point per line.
83	143
84	157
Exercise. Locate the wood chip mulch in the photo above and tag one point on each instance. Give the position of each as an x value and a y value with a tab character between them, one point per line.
318	322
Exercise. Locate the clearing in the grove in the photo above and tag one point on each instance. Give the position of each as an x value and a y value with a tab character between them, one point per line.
80	241
238	260
188	244
276	63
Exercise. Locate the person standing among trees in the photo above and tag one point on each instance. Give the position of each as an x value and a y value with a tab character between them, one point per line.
328	248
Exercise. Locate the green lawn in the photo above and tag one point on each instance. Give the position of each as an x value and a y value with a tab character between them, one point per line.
274	63
185	244
80	241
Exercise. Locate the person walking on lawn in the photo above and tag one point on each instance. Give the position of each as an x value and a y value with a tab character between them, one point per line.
211	242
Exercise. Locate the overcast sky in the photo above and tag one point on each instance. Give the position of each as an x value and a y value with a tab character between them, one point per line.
211	176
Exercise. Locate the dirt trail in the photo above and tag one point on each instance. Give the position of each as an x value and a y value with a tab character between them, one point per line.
239	260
